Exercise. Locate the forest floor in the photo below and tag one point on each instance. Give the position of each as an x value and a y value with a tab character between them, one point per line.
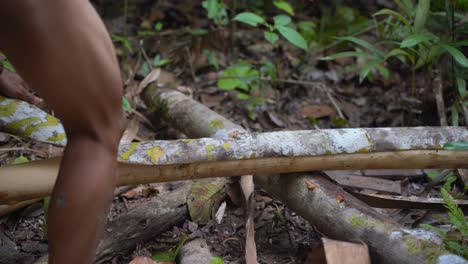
308	94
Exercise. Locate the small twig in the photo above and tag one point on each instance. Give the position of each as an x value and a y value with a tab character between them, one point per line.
192	70
23	149
439	98
436	181
465	112
147	59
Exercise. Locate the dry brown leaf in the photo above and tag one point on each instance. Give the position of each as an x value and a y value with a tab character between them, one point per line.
140	191
151	77
318	111
311	186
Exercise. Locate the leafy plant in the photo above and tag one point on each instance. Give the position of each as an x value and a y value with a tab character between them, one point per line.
5	63
158	26
216	11
456	240
249	82
171	255
217	260
448	180
405	36
124	41
282	25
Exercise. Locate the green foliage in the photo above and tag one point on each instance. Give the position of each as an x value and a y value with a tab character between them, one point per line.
249	82
5	63
448	180
126	105
211	58
456	145
456	240
171	255
216	11
124	41
282	24
285	6
404	36
217	260
20	159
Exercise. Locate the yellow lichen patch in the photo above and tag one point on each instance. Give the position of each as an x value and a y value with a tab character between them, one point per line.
155	154
15	126
363	150
8	109
57	138
356	221
216	124
50	121
226	146
209	149
187	140
129	152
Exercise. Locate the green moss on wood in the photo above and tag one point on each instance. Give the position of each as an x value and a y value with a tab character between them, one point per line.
356	221
8	109
17	125
57	138
226	146
216	124
155	154
129	152
50	121
209	148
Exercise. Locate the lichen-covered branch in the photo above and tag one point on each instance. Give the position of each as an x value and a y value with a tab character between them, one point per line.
25	120
291	144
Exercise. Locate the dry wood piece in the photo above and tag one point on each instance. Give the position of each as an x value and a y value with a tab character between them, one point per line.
367	182
401	202
440	98
338	252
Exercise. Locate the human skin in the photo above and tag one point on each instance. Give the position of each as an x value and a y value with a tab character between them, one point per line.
63	51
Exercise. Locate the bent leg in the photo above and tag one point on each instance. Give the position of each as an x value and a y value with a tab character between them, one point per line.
63	51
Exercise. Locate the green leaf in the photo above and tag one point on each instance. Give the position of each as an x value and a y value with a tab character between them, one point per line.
285	6
415	39
366	69
282	20
455	115
270	36
243	96
249	19
126	105
217	260
233	76
364	44
211	58
20	159
7	65
158	26
395	14
45	206
456	54
198	31
406	5
204	198
400	54
171	255
383	70
456	145
212	8
422	12
293	36
346	54
461	85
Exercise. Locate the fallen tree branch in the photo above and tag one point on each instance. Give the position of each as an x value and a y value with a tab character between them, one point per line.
341	216
388	242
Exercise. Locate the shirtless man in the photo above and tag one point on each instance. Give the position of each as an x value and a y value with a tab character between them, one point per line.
63	51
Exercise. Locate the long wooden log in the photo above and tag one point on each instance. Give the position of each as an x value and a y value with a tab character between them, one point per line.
334	210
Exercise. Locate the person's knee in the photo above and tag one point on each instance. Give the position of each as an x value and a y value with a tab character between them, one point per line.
108	133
